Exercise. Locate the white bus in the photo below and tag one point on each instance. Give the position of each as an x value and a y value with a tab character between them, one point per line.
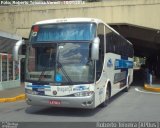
76	62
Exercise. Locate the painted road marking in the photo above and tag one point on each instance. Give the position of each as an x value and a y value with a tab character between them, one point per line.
137	89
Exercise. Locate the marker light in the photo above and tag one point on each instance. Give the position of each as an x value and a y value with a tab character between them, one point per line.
35	28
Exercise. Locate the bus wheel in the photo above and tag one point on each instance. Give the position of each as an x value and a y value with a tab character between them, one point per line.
107	97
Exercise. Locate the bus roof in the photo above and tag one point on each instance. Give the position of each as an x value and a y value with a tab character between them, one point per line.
68	20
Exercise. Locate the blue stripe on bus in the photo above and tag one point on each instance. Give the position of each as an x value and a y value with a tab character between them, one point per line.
123	64
39	91
38	86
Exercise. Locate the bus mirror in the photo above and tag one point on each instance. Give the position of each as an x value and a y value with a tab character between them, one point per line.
16	49
95	49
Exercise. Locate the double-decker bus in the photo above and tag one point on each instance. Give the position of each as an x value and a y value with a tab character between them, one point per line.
76	62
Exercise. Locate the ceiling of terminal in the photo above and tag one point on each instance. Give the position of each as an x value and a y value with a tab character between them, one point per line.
6	45
146	41
7	41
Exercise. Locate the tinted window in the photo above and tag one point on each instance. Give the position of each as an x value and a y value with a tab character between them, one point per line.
58	32
117	44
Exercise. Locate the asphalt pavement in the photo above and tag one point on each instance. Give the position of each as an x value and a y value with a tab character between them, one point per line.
131	106
12	92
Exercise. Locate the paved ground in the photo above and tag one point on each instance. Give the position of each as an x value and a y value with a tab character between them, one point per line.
136	105
131	106
12	92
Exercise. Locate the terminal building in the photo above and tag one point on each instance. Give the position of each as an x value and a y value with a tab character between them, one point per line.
9	69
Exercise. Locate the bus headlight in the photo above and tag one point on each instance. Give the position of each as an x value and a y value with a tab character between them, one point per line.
85	93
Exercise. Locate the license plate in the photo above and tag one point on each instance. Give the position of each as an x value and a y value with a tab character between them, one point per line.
55	102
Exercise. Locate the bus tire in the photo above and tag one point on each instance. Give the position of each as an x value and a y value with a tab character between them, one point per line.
107	96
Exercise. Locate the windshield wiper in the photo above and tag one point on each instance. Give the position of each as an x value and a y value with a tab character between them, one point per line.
64	72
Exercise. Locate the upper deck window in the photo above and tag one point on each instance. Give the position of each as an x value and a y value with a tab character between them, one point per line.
62	32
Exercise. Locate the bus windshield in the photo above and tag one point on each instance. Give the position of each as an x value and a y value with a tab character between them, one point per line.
74	59
62	32
55	63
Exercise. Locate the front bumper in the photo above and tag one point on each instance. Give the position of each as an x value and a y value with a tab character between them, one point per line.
72	102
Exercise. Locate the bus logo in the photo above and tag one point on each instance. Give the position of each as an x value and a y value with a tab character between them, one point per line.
109	63
58	77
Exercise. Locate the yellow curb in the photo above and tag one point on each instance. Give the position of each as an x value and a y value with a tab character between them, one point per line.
2	100
21	97
13	99
10	99
151	88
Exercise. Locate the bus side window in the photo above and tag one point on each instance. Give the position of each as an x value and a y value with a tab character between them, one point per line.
108	37
99	63
113	42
